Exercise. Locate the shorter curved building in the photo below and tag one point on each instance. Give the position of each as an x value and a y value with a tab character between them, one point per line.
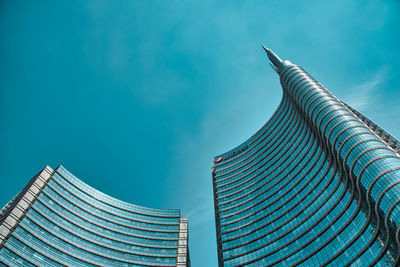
59	220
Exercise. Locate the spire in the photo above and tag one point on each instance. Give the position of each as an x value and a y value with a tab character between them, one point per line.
275	60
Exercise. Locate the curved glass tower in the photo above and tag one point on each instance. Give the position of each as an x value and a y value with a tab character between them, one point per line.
318	184
58	220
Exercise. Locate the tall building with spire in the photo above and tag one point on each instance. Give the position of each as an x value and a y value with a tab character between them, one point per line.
318	184
58	220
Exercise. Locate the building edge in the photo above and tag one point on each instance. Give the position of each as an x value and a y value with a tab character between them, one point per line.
15	210
182	258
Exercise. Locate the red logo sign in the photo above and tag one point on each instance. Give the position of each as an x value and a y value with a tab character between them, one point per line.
218	160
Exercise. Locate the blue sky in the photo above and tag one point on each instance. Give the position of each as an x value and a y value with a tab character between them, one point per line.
136	97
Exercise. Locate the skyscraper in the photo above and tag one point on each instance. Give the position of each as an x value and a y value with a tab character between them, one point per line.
318	184
59	220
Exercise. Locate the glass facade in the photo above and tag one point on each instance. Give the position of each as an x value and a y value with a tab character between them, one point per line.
58	220
318	184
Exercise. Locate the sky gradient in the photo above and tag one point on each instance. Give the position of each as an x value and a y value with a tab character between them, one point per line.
136	97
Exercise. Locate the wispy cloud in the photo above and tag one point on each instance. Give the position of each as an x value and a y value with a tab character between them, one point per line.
362	95
201	218
203	210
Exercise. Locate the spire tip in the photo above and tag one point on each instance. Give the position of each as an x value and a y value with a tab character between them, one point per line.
275	60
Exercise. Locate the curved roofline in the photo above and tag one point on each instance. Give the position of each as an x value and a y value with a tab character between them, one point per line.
248	140
277	65
131	207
